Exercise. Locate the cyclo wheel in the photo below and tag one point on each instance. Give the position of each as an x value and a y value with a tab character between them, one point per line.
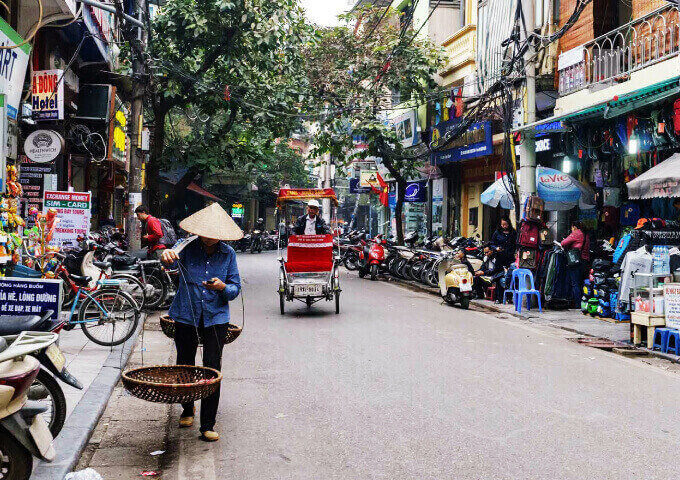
109	317
337	302
282	302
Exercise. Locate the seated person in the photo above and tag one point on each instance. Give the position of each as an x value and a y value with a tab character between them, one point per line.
490	272
462	258
312	223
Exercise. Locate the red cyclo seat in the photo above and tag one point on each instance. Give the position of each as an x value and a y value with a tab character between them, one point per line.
310	253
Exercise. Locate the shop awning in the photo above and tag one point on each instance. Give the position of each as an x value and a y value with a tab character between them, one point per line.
615	107
202	192
662	181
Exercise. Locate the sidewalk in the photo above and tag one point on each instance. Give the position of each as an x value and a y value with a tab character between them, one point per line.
98	368
130	429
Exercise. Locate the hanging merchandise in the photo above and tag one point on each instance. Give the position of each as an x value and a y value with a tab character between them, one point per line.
611	196
533	208
630	214
599	178
611	216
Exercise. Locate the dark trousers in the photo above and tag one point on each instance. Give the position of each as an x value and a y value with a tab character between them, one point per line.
186	342
576	282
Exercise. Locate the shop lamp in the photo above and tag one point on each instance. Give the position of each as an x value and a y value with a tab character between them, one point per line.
633	144
567	165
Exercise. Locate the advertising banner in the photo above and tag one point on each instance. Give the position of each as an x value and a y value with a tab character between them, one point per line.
12	68
73	210
368	178
47	95
406	127
671	299
32	178
354	187
23	296
416	192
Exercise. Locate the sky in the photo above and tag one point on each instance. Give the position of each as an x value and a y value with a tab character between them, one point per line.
324	12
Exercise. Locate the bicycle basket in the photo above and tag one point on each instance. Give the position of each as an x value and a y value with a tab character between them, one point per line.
172	383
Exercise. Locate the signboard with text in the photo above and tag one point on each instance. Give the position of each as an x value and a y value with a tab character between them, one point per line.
671	300
354	187
476	141
24	296
73	211
32	178
13	67
47	95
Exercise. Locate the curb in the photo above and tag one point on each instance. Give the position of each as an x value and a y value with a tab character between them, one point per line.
81	423
490	308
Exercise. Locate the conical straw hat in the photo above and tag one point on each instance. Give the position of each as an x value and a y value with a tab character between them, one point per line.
212	222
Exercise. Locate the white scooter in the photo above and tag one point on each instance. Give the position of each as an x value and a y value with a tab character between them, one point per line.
24	434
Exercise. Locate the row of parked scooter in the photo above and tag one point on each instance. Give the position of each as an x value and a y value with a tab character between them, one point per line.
427	261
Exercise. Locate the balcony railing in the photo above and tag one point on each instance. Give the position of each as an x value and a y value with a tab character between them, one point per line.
461	48
610	58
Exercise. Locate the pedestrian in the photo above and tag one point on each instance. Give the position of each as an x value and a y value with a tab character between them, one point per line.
152	232
209	280
504	241
488	272
579	260
312	223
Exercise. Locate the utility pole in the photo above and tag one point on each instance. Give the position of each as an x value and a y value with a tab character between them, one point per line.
137	44
527	173
327	183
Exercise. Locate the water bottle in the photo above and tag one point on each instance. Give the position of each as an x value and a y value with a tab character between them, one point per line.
666	260
655	259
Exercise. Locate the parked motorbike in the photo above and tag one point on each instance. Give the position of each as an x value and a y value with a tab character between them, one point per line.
455	282
371	258
45	389
24	434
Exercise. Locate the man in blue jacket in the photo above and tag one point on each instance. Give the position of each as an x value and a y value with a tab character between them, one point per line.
209	280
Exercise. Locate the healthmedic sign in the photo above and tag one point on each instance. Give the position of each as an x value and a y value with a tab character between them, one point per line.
47	90
13	63
73	211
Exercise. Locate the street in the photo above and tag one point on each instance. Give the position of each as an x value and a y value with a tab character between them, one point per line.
399	386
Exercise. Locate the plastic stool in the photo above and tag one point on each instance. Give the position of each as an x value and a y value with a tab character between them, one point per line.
660	339
675	336
523	278
491	293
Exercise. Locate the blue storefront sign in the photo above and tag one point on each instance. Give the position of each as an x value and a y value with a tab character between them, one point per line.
416	192
24	296
477	141
354	186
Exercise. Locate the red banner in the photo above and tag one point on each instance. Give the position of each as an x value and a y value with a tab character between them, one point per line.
291	194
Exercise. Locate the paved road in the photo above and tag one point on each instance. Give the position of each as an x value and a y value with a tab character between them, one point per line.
399	386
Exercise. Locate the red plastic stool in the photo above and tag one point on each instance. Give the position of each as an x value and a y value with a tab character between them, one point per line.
491	293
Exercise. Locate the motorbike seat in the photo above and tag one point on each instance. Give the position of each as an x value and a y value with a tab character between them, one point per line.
122	261
15	324
81	280
102	265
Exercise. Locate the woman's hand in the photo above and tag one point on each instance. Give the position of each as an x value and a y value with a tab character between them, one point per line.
169	256
215	284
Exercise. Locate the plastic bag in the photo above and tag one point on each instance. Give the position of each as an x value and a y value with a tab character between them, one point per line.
87	474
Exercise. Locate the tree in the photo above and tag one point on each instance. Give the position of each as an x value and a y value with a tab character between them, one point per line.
233	64
354	72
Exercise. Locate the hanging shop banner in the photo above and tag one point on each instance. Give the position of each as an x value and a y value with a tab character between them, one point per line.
47	95
476	141
671	300
33	177
368	178
73	212
406	126
13	64
118	131
43	146
354	187
23	296
415	192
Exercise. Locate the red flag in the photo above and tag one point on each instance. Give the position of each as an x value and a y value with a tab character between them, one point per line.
382	190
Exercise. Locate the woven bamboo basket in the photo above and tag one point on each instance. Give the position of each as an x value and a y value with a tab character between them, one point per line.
172	383
168	327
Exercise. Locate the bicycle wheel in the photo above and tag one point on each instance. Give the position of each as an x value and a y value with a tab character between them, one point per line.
109	317
132	286
157	293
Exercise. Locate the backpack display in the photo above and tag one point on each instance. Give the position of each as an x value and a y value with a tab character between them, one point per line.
621	247
529	234
528	258
169	237
533	208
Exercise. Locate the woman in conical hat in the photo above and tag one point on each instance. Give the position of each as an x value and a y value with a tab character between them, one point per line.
209	280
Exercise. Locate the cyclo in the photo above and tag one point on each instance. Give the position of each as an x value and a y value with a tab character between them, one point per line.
310	272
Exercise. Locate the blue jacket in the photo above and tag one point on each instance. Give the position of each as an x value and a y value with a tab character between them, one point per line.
193	300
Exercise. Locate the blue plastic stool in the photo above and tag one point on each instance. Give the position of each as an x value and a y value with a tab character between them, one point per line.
660	339
675	336
521	278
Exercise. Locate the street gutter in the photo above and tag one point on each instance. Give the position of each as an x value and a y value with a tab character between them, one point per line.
80	425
